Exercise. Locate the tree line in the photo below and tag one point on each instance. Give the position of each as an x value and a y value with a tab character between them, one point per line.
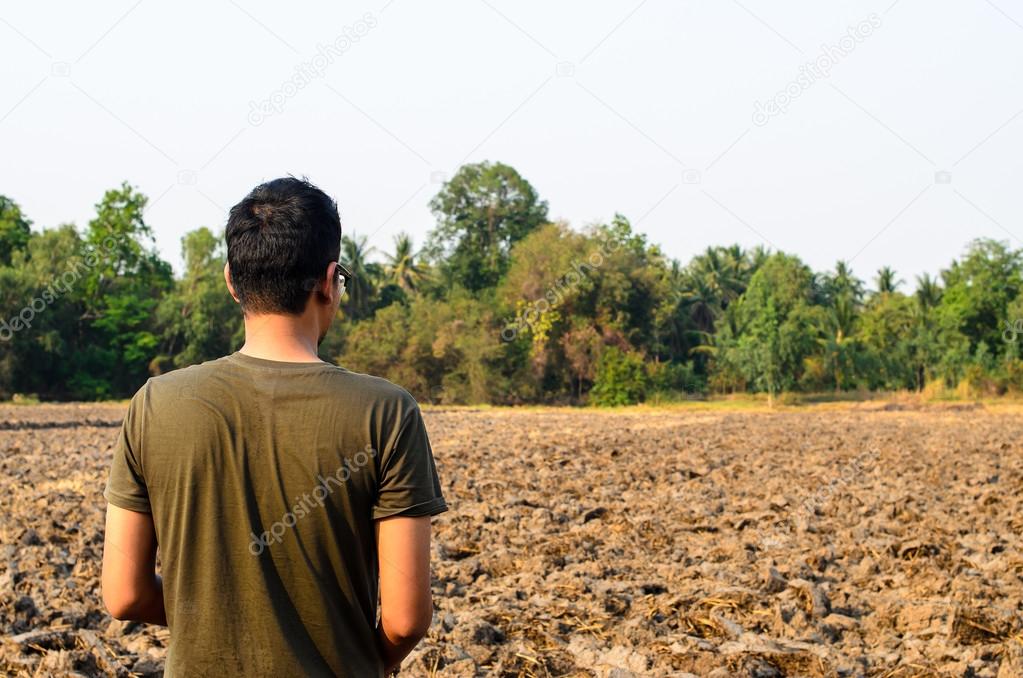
500	305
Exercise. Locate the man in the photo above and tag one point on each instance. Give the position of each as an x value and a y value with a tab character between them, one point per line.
285	494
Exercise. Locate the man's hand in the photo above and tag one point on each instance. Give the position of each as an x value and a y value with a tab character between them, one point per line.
131	588
406	606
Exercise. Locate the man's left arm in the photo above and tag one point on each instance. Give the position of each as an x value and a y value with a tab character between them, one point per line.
131	587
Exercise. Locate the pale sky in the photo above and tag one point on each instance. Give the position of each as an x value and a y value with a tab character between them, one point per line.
906	149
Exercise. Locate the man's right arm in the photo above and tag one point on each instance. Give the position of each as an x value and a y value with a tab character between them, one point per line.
406	605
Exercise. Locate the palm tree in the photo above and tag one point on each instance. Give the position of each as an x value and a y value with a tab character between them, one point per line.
355	251
755	259
676	326
928	291
886	282
701	302
719	275
402	266
845	282
928	343
738	271
703	290
838	340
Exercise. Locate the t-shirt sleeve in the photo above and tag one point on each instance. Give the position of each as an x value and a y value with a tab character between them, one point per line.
409	484
126	486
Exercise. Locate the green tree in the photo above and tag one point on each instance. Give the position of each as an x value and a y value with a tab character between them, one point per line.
360	290
87	301
724	273
887	282
198	319
841	283
42	286
560	281
631	297
548	285
481	212
15	229
775	325
383	345
890	332
440	350
979	289
838	342
403	266
702	292
121	288
928	292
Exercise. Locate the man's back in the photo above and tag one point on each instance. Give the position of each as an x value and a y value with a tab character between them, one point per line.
264	479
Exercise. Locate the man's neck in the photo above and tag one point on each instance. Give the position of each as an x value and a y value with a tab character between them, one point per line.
292	339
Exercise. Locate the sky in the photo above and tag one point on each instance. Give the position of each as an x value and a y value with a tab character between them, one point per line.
880	133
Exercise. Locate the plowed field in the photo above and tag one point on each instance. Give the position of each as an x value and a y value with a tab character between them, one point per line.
867	540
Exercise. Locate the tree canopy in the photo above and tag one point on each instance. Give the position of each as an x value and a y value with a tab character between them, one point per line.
481	213
503	306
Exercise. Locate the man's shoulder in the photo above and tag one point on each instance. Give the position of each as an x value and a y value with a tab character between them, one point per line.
185	380
373	387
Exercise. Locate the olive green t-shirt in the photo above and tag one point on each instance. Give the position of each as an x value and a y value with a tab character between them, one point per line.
264	479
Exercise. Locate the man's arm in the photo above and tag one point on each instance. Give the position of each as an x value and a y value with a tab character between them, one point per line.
131	587
406	606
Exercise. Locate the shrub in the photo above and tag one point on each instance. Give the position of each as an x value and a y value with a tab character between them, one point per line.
621	379
675	380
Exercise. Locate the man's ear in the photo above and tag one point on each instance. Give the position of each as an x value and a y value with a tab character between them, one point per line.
325	287
230	285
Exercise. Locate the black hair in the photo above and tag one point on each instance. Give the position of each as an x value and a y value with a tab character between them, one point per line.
280	239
